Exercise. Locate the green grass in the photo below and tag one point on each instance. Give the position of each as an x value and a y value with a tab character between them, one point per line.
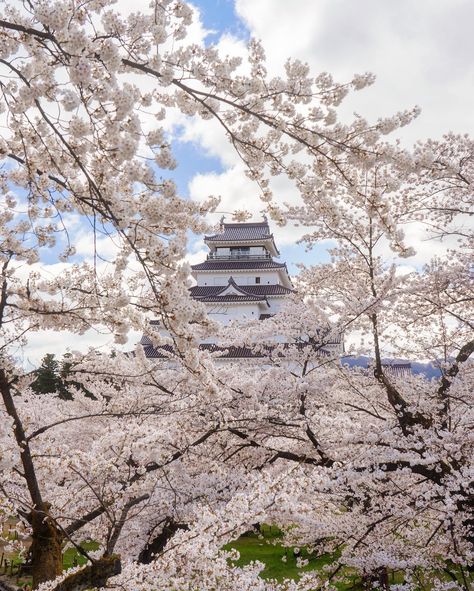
280	561
266	548
72	557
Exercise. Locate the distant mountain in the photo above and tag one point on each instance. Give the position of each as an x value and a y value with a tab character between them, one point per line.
429	370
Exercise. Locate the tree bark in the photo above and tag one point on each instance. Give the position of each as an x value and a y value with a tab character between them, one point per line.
46	548
92	576
157	545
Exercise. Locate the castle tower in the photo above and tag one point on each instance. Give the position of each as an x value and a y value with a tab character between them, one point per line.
240	278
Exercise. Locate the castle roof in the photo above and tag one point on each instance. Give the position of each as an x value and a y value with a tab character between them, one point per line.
202	291
234	298
166	351
230	293
242	265
251	231
244	233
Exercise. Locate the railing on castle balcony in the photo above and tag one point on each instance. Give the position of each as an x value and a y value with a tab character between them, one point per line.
239	256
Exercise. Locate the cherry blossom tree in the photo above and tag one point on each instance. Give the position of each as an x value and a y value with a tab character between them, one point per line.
165	464
83	92
384	461
121	468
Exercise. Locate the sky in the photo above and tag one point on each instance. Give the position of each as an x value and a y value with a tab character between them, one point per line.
421	53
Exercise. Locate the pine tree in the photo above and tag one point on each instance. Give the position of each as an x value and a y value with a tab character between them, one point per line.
50	378
47	375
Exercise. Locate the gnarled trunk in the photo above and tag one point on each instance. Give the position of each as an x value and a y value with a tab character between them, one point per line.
155	546
46	547
93	575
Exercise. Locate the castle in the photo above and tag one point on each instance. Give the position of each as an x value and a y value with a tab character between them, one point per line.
240	279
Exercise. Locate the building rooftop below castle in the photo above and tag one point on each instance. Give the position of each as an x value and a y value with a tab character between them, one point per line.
201	291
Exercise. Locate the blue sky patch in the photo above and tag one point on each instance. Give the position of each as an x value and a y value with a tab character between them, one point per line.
219	16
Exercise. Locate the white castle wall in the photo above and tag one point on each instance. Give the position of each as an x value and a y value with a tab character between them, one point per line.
241	278
225	314
275	305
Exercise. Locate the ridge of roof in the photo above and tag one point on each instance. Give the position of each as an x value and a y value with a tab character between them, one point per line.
217	265
243	232
200	291
241	289
241	295
232	283
231	224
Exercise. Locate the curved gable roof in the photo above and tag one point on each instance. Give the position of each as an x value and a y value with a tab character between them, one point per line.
231	293
200	291
245	232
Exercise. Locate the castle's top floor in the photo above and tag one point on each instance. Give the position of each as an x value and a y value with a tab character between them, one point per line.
242	239
245	252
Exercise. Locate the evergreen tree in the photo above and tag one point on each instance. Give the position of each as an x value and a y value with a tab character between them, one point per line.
50	377
47	375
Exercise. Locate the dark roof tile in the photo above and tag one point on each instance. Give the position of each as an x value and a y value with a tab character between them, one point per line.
233	297
200	291
237	232
165	351
213	265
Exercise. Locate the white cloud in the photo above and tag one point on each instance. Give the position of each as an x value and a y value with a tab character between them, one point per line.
426	247
235	189
106	247
420	51
237	192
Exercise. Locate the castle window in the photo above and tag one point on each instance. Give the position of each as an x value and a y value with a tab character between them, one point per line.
257	279
239	252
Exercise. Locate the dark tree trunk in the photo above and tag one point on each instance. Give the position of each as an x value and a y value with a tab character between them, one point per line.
92	576
157	544
46	548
